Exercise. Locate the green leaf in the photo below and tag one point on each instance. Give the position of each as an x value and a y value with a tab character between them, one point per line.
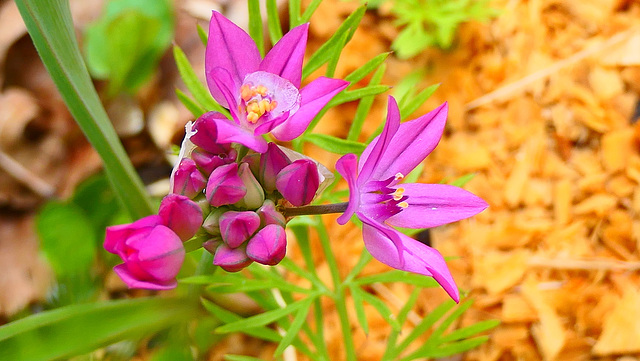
255	25
296	325
294	14
261	319
62	333
414	175
365	106
426	323
460	182
273	21
398	276
365	258
191	105
379	305
196	88
241	358
333	60
308	12
98	202
416	102
391	353
358	304
469	331
64	230
324	53
51	29
360	73
226	316
447	350
351	95
335	145
202	34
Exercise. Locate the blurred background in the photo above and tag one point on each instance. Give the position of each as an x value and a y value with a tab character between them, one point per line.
543	98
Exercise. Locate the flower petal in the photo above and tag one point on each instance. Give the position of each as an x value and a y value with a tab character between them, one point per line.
229	132
132	282
377	149
116	236
229	91
413	142
347	167
313	97
232	49
405	253
285	58
432	205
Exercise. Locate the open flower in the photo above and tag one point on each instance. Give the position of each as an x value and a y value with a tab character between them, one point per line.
262	95
380	202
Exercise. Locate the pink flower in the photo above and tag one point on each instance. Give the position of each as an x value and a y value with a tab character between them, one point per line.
152	253
263	95
380	202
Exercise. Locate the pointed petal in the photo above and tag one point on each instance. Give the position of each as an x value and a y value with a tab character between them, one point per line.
229	91
347	167
132	282
229	132
413	142
232	49
405	253
377	149
432	205
312	98
285	58
206	134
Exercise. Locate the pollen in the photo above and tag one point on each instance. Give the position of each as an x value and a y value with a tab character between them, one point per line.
399	176
261	89
252	117
403	204
397	195
246	92
256	101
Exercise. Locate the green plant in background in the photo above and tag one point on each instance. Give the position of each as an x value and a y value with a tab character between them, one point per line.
184	325
126	43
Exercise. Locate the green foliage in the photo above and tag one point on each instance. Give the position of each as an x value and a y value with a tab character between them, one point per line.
126	43
433	23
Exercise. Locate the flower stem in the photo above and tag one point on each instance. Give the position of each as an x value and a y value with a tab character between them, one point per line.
319	209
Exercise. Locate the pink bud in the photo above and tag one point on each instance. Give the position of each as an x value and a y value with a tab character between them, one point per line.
271	163
152	253
231	259
268	246
298	182
208	161
207	134
181	214
187	179
212	245
269	215
224	186
255	194
237	227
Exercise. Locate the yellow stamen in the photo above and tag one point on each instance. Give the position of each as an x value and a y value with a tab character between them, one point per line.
261	89
403	204
246	92
397	195
273	105
399	176
253	107
264	106
252	117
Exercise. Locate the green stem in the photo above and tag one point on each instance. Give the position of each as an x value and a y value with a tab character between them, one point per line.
339	296
205	266
318	209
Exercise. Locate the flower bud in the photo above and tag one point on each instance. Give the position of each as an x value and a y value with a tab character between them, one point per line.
181	214
206	134
211	224
208	161
269	215
271	163
152	253
212	245
255	194
253	159
268	246
224	186
298	182
187	179
237	227
231	259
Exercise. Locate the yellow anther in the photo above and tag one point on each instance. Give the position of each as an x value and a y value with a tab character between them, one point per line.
399	176
261	89
264	106
397	195
403	204
253	107
246	92
252	117
273	105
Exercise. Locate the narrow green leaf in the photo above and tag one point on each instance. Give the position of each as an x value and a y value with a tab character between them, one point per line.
435	337
414	175
197	89
365	106
460	182
398	276
62	333
469	331
447	350
360	73
261	319
391	352
324	53
191	105
335	57
273	21
241	358
51	29
308	12
365	258
255	25
291	266
426	323
358	304
292	331
351	95
380	306
226	316
294	14
335	145
416	102
202	34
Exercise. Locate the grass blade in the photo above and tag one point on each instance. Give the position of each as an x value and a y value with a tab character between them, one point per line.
255	25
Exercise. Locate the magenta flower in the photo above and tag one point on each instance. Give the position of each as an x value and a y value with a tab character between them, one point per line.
380	202
181	215
152	253
263	95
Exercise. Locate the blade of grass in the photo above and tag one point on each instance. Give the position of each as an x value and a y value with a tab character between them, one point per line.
273	21
255	25
51	29
365	106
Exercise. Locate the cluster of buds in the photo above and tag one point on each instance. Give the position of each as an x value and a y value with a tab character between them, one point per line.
240	193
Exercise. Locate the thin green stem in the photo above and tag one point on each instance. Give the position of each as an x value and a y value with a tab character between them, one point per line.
204	266
339	296
318	209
